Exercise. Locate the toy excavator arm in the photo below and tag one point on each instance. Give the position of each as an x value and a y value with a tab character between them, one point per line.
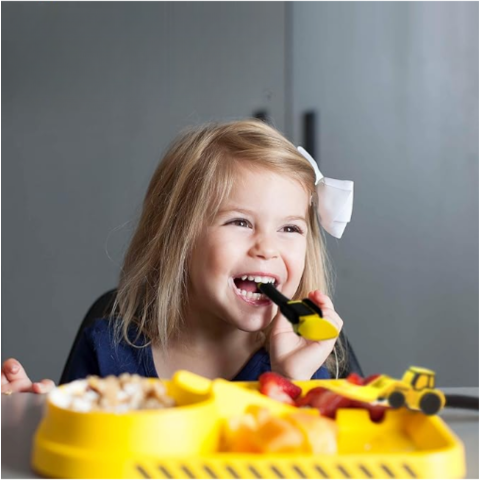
361	393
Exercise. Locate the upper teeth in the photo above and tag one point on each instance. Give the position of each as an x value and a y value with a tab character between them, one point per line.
258	279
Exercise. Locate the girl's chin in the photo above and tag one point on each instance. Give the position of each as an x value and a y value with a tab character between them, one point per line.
252	324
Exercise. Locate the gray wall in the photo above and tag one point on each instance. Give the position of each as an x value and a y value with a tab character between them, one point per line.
91	95
93	92
396	88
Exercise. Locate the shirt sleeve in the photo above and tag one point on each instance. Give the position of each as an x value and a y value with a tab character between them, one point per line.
322	374
83	360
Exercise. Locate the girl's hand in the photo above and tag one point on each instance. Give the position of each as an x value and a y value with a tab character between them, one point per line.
15	379
294	356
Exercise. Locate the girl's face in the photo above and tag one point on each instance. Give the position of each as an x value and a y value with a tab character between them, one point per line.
259	234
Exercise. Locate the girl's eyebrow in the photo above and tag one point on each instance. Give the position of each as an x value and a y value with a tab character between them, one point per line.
252	212
295	217
236	209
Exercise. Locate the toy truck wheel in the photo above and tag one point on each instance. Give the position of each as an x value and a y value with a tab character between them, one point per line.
396	400
430	404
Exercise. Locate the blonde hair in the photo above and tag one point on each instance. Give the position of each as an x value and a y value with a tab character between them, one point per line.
186	191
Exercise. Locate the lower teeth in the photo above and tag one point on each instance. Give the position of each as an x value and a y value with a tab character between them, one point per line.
251	295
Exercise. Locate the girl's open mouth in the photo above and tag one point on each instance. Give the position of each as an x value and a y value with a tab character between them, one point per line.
246	288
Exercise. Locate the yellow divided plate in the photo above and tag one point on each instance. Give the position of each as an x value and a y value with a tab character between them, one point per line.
182	442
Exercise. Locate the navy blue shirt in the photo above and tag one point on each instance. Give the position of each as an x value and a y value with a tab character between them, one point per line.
97	354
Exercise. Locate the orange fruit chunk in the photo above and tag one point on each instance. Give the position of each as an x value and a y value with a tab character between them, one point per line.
277	435
320	433
258	431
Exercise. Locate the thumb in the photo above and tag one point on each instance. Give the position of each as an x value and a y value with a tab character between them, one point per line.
44	386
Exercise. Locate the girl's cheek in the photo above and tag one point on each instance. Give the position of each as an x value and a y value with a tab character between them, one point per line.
296	266
299	253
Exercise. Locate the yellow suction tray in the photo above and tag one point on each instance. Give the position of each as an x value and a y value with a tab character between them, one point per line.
183	441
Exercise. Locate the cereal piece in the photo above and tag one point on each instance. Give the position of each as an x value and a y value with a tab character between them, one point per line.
7	392
137	399
113	394
111	391
124	378
91	396
151	404
81	405
132	388
168	402
96	384
158	391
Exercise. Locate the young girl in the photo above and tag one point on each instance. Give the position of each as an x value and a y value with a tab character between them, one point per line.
230	205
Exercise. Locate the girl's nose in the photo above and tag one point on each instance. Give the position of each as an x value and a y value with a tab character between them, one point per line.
264	247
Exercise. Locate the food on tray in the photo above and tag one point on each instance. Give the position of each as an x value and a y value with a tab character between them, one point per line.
325	401
259	431
279	388
112	394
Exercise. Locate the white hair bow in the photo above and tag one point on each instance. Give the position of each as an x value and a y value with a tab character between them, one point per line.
335	200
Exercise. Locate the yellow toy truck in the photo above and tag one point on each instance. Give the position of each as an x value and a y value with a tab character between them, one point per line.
416	390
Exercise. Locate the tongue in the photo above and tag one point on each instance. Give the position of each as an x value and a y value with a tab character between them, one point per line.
246	285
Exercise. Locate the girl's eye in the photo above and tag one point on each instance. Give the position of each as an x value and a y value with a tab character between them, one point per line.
239	222
292	229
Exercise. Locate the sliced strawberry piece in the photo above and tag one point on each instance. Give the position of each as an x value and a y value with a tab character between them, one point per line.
370	378
355	379
274	385
325	401
274	391
376	412
310	397
330	402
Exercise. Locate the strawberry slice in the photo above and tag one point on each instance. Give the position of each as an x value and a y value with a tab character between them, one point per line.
311	396
376	412
370	378
329	402
355	379
324	400
279	388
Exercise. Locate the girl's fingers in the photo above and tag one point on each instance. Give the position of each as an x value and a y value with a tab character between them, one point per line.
322	300
14	377
13	370
22	385
328	310
44	386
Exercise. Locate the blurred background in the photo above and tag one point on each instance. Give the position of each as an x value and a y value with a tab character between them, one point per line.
385	94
